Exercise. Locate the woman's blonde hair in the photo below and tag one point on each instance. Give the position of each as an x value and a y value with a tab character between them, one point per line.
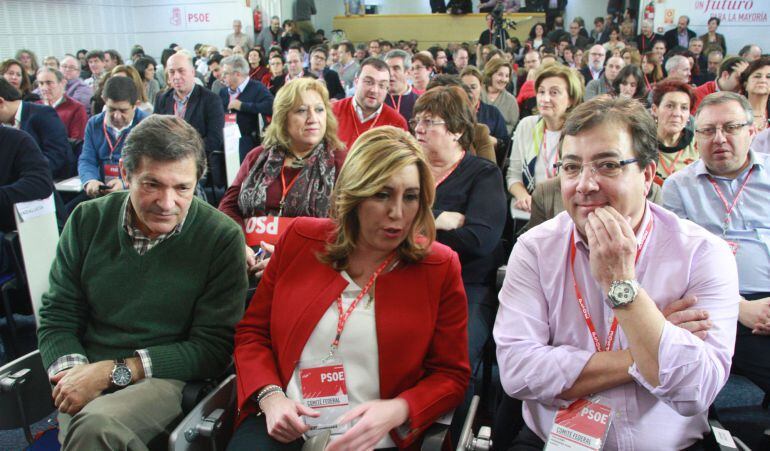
289	97
575	88
376	156
133	74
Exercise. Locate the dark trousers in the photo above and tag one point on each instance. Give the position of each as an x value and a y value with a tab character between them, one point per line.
5	260
751	358
438	6
252	434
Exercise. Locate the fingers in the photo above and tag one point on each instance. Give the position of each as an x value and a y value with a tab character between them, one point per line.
684	316
304	410
679	305
353	413
267	247
696	326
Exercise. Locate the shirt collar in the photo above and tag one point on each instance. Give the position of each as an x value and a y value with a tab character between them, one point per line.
360	112
185	99
754	161
242	86
129	225
17	118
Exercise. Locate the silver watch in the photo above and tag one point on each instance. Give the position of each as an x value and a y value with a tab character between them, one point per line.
622	292
120	376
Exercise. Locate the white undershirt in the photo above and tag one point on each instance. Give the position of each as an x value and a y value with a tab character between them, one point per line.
358	349
547	153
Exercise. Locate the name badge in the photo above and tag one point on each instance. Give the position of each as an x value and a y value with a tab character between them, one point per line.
111	172
582	426
230	118
265	228
324	390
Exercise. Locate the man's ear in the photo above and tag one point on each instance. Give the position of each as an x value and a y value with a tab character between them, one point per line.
123	172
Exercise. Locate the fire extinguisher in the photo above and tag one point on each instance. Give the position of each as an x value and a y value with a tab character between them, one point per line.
649	12
257	20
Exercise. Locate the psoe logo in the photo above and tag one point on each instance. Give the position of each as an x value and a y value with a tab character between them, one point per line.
176	17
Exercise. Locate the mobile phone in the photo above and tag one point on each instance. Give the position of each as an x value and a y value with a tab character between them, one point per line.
104	187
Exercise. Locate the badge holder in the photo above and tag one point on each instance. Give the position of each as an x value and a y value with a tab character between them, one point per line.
111	172
323	387
581	426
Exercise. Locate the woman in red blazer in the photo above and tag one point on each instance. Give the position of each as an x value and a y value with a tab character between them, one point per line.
404	350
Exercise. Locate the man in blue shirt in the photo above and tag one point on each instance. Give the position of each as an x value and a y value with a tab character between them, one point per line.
726	192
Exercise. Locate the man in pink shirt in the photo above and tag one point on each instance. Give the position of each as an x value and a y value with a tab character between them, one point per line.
582	306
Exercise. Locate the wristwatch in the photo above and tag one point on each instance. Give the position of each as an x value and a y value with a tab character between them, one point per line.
120	377
622	292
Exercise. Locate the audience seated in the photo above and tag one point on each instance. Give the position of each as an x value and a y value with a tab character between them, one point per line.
486	114
671	100
76	88
595	67
497	75
43	124
199	107
728	79
247	99
72	114
366	109
381	228
536	141
120	331
347	67
726	193
13	72
24	176
756	82
630	83
604	84
550	354
400	96
318	57
292	174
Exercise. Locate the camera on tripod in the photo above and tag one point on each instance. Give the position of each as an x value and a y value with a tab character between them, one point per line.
499	24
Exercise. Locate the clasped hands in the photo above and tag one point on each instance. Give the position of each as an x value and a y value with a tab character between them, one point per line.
375	420
613	246
77	386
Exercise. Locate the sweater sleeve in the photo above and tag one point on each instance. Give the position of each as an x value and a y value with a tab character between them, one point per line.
78	124
521	139
209	346
88	162
64	311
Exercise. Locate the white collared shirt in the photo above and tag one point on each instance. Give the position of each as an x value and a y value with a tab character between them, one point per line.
360	112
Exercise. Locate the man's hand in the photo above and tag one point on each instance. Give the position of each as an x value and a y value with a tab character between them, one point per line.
375	420
92	188
613	246
234	104
450	220
115	185
755	315
282	416
525	203
79	385
696	321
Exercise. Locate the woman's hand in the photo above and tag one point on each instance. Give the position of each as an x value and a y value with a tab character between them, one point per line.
263	259
523	203
375	419
450	220
282	416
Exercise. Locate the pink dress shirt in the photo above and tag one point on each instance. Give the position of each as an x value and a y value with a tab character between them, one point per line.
543	342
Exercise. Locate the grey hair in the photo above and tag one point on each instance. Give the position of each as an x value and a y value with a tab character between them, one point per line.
57	73
167	138
398	53
237	63
676	61
722	97
276	18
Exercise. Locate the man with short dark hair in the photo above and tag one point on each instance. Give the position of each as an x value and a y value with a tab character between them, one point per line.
43	124
105	137
366	109
246	98
111	59
725	191
459	61
270	36
728	79
318	57
575	38
95	60
713	61
120	330
199	107
585	317
347	67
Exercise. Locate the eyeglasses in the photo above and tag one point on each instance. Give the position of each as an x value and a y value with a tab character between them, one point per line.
65	67
369	83
602	168
727	129
425	123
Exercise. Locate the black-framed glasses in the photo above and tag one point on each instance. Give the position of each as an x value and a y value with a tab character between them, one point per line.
727	129
602	168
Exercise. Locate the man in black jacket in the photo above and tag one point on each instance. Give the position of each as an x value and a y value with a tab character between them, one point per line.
318	56
679	36
24	176
199	107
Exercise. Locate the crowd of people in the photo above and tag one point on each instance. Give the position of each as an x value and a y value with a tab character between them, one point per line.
387	176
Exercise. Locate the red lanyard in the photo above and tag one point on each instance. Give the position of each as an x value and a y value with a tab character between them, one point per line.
552	172
355	119
397	106
729	208
446	176
343	318
109	141
581	301
285	189
670	169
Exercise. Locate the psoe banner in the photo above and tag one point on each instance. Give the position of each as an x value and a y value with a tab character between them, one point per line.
741	21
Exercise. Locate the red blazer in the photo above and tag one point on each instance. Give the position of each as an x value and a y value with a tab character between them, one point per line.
421	325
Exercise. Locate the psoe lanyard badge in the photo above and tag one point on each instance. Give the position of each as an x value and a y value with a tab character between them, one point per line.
265	228
111	172
582	426
324	389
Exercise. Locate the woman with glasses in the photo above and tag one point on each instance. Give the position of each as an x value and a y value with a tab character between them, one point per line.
671	100
293	172
421	72
470	206
756	82
497	75
535	143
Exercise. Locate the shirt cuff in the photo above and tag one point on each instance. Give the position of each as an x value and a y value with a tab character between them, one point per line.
144	356
66	362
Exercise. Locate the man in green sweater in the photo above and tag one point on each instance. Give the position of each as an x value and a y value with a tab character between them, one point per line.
145	292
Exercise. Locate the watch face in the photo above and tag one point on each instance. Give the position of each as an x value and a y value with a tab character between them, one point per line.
622	293
121	376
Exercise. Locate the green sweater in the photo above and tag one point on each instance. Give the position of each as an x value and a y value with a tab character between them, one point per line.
180	300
